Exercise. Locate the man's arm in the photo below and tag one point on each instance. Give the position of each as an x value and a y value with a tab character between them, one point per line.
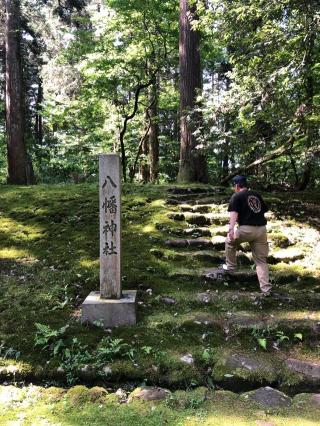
232	223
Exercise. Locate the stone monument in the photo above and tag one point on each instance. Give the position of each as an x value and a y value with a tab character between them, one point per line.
111	305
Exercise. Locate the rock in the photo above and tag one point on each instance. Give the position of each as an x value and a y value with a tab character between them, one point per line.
197	232
148	393
172	201
107	370
217	274
87	371
306	370
197	219
253	368
121	395
202	208
311	400
176	216
187	359
207	297
176	243
167	300
246	321
60	370
268	397
198	242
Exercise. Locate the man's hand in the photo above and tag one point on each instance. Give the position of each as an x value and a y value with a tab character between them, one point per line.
231	234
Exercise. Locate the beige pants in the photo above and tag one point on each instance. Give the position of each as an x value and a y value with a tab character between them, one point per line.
256	236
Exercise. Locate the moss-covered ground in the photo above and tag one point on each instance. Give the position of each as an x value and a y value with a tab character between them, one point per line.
80	406
49	257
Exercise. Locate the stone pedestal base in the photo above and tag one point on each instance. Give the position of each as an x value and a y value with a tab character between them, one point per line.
112	312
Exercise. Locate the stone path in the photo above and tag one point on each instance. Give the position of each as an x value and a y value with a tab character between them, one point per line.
237	305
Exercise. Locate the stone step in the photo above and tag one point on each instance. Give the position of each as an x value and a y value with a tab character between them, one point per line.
203	208
195	200
215	275
196	190
290	254
217	243
234	368
201	219
203	255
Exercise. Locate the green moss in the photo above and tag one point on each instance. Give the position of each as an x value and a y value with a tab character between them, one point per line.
49	258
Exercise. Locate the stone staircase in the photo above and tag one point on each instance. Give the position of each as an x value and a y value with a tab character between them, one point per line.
232	304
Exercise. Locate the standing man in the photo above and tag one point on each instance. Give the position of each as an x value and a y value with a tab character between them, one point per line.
247	208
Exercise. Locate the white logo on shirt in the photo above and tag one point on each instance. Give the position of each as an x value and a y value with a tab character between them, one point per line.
254	203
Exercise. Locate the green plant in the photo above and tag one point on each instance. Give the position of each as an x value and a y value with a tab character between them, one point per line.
74	356
49	338
271	334
8	352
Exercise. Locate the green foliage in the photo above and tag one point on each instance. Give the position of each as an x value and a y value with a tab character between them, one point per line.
272	337
8	352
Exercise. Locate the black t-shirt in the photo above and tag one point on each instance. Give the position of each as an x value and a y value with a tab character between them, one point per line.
250	208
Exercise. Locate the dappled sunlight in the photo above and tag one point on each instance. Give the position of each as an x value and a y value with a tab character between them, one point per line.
89	263
148	229
10	253
297	315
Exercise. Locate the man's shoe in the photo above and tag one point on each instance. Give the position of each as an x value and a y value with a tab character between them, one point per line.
225	268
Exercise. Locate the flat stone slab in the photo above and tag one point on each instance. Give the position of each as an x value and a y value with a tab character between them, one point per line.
253	369
216	274
309	371
112	312
290	254
268	397
197	232
197	242
234	296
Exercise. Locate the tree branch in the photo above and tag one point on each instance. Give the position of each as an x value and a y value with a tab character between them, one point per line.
130	117
268	157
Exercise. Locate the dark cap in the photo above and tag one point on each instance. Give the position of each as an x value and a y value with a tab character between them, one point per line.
239	180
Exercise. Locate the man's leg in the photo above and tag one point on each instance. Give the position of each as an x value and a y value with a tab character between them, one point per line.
260	250
231	254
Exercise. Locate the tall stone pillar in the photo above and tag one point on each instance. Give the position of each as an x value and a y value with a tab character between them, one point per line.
111	305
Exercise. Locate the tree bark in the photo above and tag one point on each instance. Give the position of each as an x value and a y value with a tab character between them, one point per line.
19	169
153	132
310	130
193	166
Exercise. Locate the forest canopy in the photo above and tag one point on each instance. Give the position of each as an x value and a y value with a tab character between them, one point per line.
194	90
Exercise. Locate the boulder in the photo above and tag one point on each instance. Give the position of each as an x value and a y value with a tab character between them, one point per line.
245	368
311	400
307	371
268	397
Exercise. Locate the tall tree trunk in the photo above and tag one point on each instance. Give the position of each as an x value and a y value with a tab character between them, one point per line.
19	171
193	166
144	166
153	132
38	122
310	130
